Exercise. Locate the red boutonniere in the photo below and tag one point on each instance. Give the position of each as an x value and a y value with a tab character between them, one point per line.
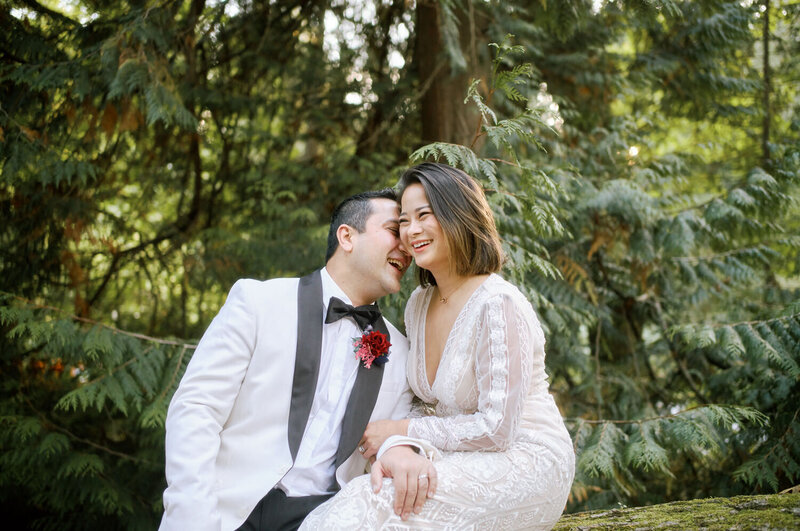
372	347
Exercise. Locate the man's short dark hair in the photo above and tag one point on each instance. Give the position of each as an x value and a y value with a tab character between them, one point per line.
354	212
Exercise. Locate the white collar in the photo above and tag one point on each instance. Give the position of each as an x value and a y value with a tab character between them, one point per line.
331	289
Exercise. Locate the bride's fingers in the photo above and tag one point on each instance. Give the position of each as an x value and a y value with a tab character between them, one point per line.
400	487
376	476
428	481
433	479
411	494
422	493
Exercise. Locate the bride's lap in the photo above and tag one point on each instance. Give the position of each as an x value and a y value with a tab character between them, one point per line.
477	490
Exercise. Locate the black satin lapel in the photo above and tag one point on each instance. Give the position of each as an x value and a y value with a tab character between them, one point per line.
306	363
361	403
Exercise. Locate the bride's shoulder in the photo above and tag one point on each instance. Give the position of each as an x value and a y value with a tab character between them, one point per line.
497	289
497	286
506	298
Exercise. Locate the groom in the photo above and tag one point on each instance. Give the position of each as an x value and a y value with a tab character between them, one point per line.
265	422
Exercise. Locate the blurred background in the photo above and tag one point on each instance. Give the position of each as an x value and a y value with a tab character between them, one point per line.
642	159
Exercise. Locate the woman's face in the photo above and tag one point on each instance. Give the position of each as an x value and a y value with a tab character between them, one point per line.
420	232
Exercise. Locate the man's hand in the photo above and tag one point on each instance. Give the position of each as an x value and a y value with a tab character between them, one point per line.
377	432
414	478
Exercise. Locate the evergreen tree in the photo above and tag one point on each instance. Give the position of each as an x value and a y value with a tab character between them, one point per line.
642	159
672	325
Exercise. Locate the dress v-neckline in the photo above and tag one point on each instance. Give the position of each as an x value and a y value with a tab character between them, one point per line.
424	334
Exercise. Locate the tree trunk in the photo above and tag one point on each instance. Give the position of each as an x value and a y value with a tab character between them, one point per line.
444	116
767	88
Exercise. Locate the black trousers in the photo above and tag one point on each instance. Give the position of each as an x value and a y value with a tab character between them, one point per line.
277	512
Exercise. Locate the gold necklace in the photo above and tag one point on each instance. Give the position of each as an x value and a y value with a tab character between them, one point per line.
444	300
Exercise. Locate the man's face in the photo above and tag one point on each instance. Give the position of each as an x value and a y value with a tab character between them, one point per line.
378	257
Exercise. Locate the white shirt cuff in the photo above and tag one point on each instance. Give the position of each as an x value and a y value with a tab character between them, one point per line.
424	447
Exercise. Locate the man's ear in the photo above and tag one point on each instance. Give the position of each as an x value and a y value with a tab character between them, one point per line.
345	236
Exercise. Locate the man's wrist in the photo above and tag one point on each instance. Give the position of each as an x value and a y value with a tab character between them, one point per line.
404	427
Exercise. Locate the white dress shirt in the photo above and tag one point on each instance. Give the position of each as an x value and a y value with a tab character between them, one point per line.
314	467
227	424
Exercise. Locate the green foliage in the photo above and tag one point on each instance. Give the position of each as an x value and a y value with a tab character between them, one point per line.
151	154
83	418
667	281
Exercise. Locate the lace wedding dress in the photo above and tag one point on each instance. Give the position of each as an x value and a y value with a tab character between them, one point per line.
508	461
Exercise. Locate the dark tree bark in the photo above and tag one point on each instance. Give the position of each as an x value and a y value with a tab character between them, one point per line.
767	88
444	116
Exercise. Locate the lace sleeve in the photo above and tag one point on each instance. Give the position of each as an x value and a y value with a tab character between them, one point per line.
503	367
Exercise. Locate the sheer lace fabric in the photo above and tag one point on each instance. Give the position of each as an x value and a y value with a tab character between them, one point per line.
507	458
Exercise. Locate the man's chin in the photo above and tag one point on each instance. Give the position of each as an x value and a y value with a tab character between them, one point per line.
393	285
396	273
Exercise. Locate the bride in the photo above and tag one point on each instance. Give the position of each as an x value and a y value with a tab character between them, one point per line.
505	459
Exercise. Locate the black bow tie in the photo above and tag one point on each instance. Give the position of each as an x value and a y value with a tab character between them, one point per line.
362	315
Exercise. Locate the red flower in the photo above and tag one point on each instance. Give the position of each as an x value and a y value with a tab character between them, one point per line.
372	347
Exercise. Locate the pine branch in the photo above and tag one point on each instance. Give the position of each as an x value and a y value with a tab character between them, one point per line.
175	373
598	375
684	371
745	323
114	329
49	423
763	245
651	419
118	368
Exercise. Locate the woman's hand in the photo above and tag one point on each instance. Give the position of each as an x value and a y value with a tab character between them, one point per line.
414	479
377	432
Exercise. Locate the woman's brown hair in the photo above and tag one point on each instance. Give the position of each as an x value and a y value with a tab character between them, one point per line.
460	206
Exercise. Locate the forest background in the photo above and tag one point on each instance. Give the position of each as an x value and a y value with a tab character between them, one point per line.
642	159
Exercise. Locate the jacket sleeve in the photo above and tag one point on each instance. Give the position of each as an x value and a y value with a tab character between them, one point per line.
198	411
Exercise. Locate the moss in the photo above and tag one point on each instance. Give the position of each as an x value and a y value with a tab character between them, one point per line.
776	511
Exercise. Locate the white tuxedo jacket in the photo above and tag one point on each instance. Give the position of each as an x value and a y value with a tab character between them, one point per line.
227	425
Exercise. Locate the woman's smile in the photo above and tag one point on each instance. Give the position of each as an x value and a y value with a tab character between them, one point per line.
420	231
